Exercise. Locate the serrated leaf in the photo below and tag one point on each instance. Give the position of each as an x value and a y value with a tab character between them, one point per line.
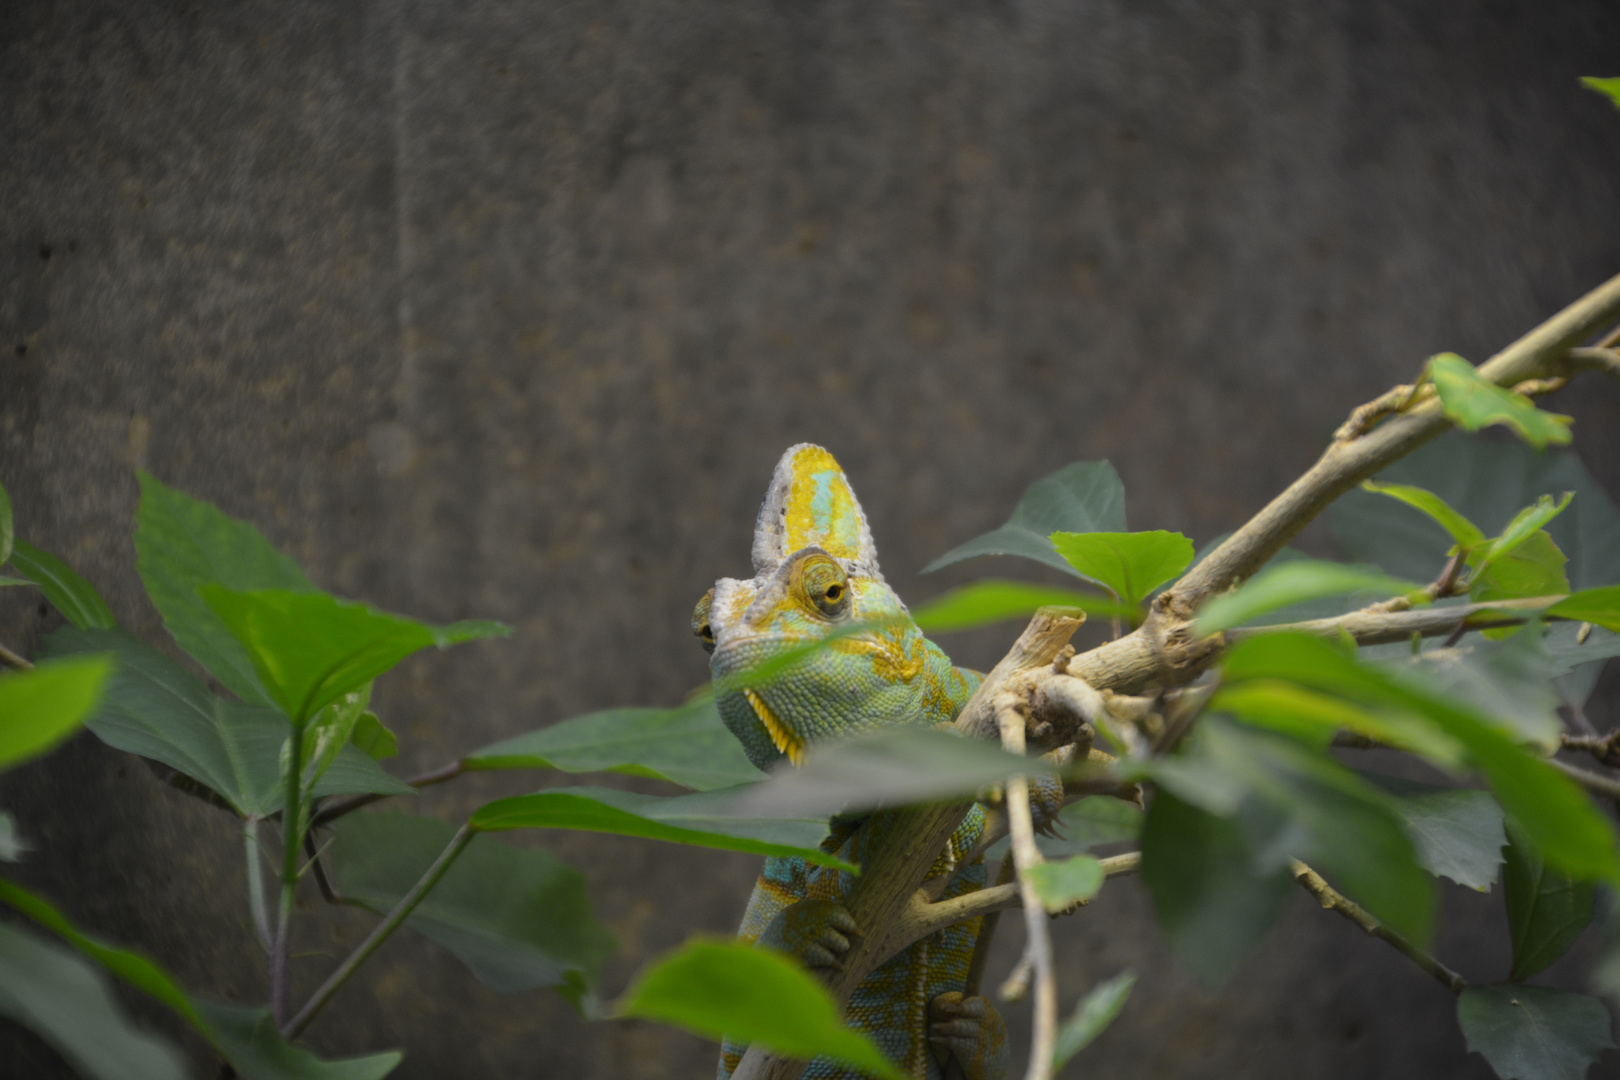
246	1037
40	708
1547	910
7	531
1509	681
688	745
1457	832
985	602
1091	1017
157	709
1532	1033
65	1001
1609	88
373	738
309	648
731	989
1067	882
703	819
1295	582
1130	564
1600	606
518	919
1473	401
73	596
1084	497
183	544
1525	523
1463	531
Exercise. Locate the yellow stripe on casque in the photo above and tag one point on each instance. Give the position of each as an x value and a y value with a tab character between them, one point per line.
787	742
821	508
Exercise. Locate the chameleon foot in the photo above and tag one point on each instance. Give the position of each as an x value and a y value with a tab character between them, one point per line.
815	931
968	1031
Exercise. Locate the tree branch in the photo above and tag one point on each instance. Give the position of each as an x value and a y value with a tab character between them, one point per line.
1026	856
1591	781
1333	900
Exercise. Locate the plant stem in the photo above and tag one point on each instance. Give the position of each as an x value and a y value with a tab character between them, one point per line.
292	840
255	876
1026	856
13	660
1332	900
1591	781
331	813
380	932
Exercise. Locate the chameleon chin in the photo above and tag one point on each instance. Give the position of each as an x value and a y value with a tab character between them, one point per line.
815	570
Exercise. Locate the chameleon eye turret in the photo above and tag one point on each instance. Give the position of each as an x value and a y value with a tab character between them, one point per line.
823	585
700	621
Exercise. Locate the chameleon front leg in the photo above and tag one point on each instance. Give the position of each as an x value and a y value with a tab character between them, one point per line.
815	932
968	1037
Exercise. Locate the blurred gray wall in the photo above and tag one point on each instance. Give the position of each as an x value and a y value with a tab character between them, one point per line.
506	309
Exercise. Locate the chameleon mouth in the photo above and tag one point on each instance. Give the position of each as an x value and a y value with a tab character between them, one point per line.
787	742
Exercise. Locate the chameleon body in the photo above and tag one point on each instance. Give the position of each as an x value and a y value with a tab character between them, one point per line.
815	571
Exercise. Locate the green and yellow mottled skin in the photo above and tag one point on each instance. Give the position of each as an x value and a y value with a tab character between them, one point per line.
816	571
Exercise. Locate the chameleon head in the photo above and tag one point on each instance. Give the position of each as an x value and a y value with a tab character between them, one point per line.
816	574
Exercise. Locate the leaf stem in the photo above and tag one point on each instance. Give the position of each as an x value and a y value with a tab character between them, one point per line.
1591	781
1333	900
380	932
292	839
333	811
255	876
11	659
1027	856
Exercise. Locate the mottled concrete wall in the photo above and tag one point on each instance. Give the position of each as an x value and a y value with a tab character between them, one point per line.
506	309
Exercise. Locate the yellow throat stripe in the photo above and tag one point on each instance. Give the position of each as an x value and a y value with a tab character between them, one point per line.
787	742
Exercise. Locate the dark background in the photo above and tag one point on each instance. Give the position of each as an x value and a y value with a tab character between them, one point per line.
506	309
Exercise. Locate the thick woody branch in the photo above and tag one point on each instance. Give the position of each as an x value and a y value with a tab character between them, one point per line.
1332	900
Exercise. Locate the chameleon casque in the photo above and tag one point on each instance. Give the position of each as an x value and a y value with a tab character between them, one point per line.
816	570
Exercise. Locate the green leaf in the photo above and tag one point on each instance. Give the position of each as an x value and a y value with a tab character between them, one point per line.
157	709
43	706
704	819
372	737
80	604
519	919
7	532
984	602
309	649
1609	88
1546	910
1091	821
1465	532
5	581
1316	717
1509	681
183	544
1534	568
1130	564
1295	582
1558	817
1473	401
246	1037
729	988
688	745
328	732
888	767
1091	1017
1532	1033
1600	606
1212	903
1061	885
1525	523
67	1003
1457	832
1084	497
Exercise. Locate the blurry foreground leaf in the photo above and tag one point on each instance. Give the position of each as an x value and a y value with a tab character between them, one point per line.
40	708
984	602
1091	1017
1609	88
1294	582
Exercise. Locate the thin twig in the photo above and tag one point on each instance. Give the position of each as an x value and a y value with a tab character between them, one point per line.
332	812
1606	748
1333	900
379	933
1591	781
328	893
1026	856
11	659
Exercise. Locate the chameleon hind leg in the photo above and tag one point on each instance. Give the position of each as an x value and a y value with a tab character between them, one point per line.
967	1033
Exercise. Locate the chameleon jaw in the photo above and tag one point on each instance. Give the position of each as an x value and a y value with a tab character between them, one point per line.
787	742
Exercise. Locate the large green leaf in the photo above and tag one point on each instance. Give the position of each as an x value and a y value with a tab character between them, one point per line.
1532	1033
1213	903
67	1003
157	709
1600	606
730	988
1547	910
40	708
688	745
1294	582
309	649
1084	497
1558	817
984	602
1457	832
1315	717
246	1037
519	919
1131	565
1472	401
889	767
182	544
73	596
704	819
1510	681
1091	1017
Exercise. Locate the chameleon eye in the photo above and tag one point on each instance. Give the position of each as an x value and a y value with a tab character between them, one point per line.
825	585
700	621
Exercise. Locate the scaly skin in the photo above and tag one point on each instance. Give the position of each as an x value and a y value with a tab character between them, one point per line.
815	571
